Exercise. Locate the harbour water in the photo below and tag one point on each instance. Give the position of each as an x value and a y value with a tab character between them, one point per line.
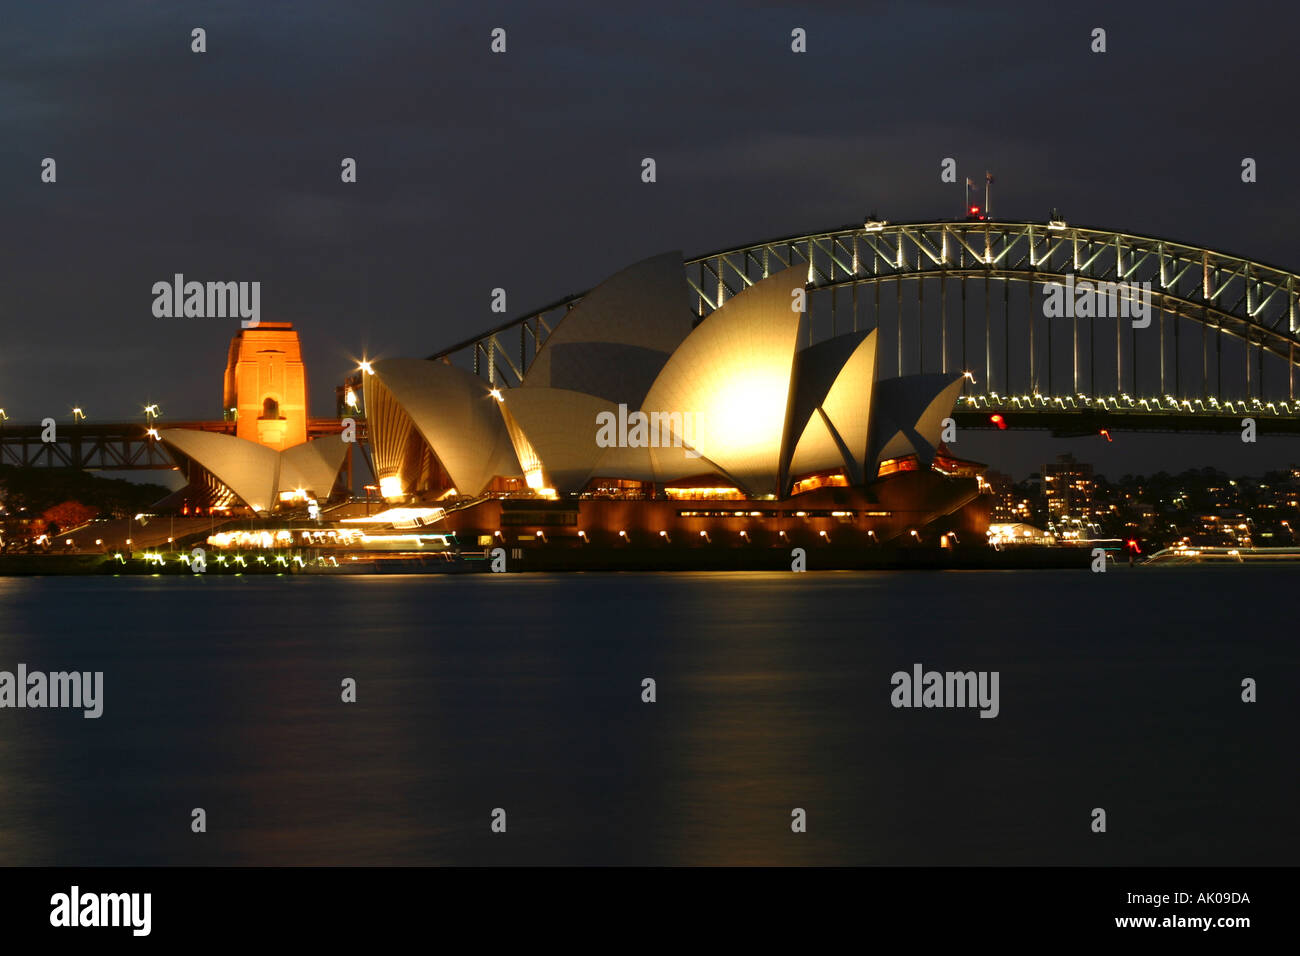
1120	691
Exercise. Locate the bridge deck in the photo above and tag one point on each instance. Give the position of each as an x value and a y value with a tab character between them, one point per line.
114	446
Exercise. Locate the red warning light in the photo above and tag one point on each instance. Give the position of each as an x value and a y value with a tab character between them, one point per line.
1105	433
974	210
999	421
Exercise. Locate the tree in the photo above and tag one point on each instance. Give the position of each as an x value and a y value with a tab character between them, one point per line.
69	514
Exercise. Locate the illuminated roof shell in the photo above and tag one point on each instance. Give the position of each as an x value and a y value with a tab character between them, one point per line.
452	410
733	374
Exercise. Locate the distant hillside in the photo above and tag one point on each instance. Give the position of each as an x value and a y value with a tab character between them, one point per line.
38	489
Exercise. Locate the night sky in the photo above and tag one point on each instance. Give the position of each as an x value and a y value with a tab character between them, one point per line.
522	170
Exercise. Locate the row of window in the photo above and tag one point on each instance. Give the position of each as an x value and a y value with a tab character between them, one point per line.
784	514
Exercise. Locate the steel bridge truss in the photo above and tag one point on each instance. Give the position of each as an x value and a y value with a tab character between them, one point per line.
100	447
1014	355
117	446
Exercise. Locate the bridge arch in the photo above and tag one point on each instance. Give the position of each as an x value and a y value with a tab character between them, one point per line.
1221	340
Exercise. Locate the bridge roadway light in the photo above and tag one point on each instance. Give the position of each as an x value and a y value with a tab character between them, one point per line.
78	414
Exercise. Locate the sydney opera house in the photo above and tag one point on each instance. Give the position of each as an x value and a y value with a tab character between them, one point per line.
640	435
639	427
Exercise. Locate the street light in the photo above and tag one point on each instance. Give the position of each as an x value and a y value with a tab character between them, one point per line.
78	414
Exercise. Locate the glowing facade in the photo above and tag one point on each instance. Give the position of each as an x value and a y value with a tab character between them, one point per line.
268	461
266	386
732	374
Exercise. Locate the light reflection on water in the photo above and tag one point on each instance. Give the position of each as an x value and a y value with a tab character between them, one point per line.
524	692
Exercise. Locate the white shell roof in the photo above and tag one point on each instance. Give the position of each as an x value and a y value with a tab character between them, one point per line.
831	409
257	474
733	373
613	343
245	467
454	411
908	416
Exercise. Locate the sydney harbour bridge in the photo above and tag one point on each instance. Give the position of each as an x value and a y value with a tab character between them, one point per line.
1218	346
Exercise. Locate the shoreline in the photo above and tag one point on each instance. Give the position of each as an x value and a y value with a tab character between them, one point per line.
562	559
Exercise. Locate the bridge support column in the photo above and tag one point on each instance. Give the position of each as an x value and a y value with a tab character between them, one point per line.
943	319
